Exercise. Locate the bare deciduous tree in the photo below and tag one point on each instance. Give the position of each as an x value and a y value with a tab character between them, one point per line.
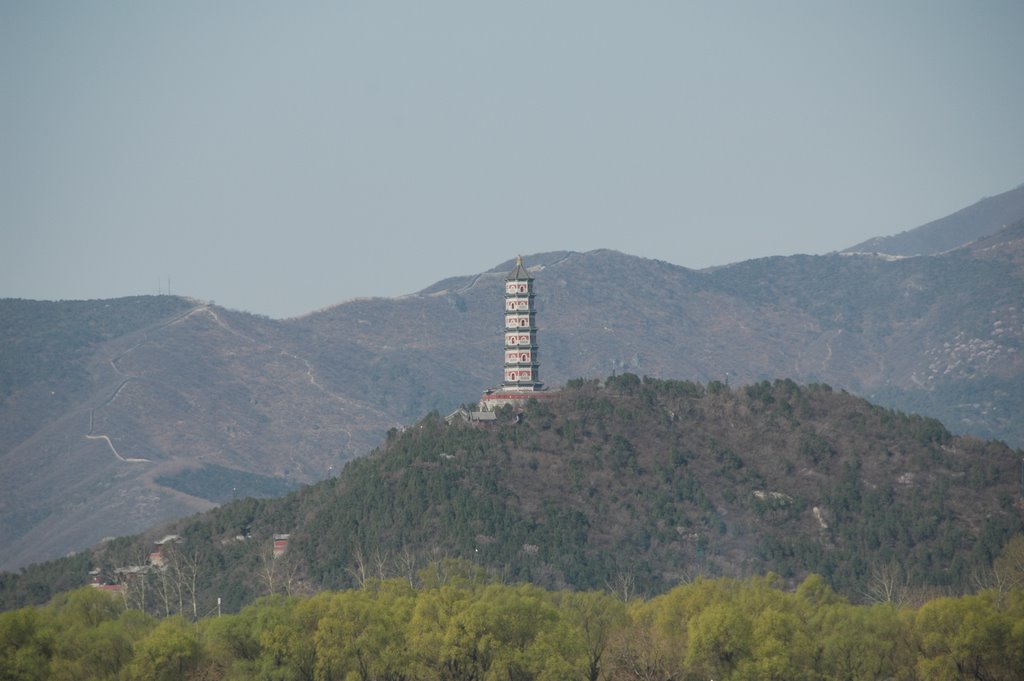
623	585
134	581
888	583
167	591
360	568
437	571
380	564
1007	571
182	566
407	565
279	573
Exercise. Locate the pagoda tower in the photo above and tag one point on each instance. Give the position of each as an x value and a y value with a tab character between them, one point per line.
522	365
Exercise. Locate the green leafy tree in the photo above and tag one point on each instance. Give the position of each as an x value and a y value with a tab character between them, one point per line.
25	645
362	634
720	637
969	638
858	643
288	648
169	652
596	615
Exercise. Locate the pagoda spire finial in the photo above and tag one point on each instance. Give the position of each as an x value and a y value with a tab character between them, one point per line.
519	271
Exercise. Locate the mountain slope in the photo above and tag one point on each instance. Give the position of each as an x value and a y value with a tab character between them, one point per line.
188	393
654	481
979	220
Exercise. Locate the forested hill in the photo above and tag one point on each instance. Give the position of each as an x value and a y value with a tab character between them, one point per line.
635	482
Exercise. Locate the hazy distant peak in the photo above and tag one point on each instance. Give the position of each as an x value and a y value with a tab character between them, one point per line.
535	263
984	218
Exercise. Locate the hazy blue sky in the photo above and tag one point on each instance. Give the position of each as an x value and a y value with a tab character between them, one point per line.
280	157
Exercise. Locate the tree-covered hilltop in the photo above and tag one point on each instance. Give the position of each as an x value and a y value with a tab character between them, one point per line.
639	484
458	626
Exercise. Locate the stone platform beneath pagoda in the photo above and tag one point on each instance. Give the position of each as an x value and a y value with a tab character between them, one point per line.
495	399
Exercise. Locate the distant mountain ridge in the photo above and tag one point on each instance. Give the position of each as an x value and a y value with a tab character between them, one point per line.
984	218
112	411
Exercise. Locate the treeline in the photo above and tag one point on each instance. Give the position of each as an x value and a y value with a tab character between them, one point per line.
458	626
